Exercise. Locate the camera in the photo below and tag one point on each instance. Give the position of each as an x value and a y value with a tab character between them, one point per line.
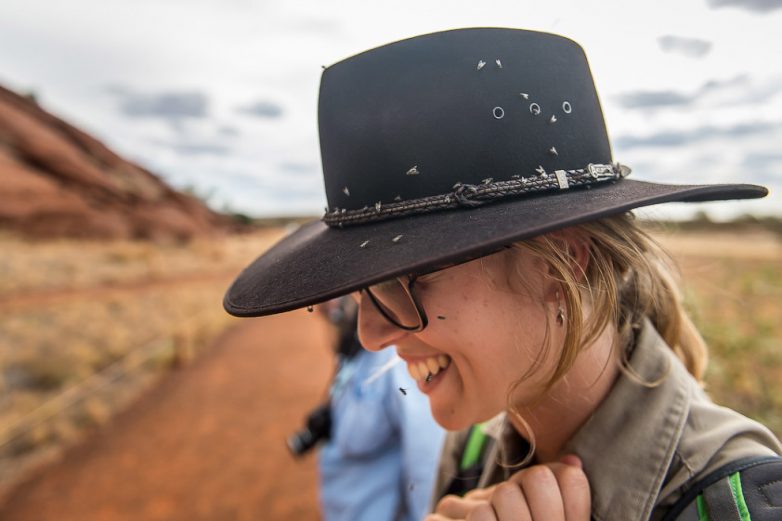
317	428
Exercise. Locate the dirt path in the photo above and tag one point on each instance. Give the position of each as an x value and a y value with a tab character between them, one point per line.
206	444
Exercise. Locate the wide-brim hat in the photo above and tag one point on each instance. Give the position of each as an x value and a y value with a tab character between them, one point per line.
446	147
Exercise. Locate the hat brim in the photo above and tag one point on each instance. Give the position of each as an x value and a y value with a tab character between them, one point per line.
317	263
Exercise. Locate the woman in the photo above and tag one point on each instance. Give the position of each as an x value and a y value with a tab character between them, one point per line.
475	208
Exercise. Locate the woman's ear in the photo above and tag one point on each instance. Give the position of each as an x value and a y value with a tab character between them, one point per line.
575	253
578	253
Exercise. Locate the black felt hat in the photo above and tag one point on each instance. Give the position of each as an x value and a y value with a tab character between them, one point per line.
446	147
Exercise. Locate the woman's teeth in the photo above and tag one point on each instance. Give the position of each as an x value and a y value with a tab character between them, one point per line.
431	366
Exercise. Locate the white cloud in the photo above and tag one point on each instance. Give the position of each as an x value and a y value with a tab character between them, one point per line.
760	6
690	47
267	56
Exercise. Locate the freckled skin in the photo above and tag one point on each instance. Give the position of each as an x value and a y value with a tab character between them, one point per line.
500	309
492	336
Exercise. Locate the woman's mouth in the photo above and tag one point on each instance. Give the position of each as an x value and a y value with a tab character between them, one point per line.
425	371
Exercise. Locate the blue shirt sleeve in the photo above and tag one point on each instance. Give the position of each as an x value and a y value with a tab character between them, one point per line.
421	443
381	459
360	466
362	422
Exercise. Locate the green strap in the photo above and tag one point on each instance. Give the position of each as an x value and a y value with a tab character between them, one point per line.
703	514
738	496
474	447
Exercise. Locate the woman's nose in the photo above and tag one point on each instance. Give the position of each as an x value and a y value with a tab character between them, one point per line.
374	331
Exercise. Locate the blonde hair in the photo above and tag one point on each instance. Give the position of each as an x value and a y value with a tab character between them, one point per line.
628	277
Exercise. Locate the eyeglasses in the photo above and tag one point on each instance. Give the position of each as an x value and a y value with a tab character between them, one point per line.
397	301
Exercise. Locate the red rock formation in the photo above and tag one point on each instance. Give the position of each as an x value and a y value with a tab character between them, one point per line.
56	180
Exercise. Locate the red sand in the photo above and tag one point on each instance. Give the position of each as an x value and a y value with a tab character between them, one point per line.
206	443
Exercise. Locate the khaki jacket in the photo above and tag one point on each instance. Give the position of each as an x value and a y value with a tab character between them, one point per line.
642	445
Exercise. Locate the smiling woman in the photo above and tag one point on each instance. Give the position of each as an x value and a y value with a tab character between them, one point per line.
608	274
499	256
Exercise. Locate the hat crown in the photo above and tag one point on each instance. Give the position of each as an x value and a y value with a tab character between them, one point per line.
410	119
414	118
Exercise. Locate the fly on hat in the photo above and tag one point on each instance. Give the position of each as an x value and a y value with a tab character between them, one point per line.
446	147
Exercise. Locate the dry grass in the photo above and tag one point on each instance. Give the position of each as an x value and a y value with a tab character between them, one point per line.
85	326
733	289
67	264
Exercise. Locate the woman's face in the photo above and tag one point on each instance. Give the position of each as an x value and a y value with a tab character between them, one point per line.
485	332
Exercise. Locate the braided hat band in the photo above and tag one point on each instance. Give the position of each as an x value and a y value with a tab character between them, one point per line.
469	195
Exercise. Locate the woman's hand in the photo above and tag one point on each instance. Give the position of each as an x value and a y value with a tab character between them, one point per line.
550	492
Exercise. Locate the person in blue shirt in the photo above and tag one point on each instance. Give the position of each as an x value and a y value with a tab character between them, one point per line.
380	460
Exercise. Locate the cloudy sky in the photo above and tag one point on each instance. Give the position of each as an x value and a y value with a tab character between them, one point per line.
221	95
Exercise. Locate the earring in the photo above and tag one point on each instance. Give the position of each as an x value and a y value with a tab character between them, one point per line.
560	312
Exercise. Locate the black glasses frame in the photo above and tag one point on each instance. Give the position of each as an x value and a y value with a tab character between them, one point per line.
423	320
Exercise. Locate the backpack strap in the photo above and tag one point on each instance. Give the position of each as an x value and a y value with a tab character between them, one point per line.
473	448
749	489
472	461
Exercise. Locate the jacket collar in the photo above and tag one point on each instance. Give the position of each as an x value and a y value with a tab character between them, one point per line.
628	443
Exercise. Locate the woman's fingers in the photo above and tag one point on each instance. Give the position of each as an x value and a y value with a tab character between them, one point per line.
480	493
482	512
541	490
574	486
556	491
550	492
509	502
455	507
572	460
437	517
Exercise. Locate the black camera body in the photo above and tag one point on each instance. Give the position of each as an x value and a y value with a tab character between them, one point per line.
318	423
317	428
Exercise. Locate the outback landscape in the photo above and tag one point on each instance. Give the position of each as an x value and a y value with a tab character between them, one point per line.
139	398
88	324
127	393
